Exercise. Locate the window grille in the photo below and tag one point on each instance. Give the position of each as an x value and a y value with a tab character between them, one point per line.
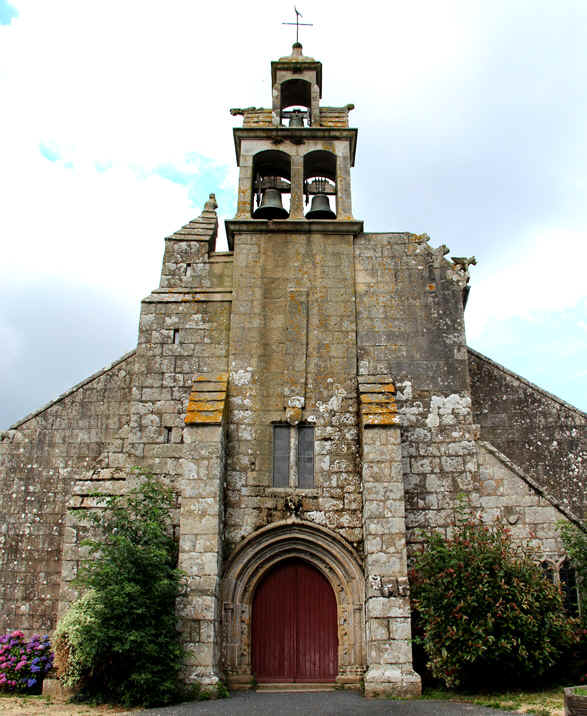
281	455
299	443
305	456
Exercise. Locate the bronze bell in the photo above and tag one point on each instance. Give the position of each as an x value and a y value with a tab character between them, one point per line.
296	119
320	208
271	206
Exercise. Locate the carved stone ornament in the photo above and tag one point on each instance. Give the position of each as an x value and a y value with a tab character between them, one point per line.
211	204
293	506
461	267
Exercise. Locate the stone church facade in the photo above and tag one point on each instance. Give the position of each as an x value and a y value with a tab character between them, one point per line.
310	396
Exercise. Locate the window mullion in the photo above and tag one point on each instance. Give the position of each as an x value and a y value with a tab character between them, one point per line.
293	458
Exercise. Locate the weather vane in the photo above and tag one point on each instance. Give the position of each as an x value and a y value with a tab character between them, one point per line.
297	23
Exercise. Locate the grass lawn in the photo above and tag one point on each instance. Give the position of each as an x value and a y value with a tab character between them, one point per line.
540	703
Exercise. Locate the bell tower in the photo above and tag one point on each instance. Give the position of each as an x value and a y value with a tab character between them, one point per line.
294	158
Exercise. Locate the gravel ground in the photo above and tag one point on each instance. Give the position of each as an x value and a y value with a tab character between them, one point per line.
320	704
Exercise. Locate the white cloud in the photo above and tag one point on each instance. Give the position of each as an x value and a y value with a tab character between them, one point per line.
540	275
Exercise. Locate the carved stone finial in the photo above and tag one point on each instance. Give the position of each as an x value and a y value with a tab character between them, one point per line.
439	253
419	238
293	506
211	204
464	262
461	268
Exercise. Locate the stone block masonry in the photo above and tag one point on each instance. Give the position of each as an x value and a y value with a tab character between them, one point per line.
200	547
387	599
292	331
410	326
534	429
176	431
41	457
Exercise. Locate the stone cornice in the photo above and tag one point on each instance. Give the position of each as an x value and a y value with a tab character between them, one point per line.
291	226
279	135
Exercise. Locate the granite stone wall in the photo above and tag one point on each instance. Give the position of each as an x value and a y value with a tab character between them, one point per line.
541	434
510	495
410	326
41	457
182	352
293	358
359	336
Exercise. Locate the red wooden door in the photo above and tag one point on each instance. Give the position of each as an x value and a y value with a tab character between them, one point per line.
294	626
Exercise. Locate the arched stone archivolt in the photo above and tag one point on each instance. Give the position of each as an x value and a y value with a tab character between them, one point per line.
259	553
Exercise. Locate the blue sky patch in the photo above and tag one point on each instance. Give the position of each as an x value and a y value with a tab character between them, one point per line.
7	12
526	347
201	176
48	151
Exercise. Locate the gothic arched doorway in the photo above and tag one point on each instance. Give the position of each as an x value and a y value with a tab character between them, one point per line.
262	552
294	626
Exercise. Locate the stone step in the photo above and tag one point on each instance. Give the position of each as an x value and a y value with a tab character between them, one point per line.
293	687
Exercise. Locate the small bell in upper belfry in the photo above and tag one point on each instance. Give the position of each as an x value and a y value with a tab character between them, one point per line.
271	206
320	208
296	119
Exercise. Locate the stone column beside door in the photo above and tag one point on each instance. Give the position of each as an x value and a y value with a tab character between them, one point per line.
200	529
387	605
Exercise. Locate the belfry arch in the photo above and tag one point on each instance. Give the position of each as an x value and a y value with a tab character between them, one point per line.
256	556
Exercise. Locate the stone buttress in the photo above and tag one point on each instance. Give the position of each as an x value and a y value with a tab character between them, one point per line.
177	429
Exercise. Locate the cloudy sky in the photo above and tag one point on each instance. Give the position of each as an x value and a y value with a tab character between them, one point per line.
472	122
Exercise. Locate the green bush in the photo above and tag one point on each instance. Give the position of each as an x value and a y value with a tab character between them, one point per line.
483	611
574	665
119	642
575	543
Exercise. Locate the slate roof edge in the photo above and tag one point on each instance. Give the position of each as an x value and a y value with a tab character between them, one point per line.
528	383
72	390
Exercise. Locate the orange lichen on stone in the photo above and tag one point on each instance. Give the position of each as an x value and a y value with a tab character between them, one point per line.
199	418
377	401
207	399
376	397
202	405
383	408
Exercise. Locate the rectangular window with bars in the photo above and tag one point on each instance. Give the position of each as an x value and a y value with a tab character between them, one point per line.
305	456
281	455
295	444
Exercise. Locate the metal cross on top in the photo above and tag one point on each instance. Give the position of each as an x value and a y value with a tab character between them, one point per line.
297	23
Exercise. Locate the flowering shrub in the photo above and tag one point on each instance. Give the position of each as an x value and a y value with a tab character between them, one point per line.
75	640
24	665
119	642
484	613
